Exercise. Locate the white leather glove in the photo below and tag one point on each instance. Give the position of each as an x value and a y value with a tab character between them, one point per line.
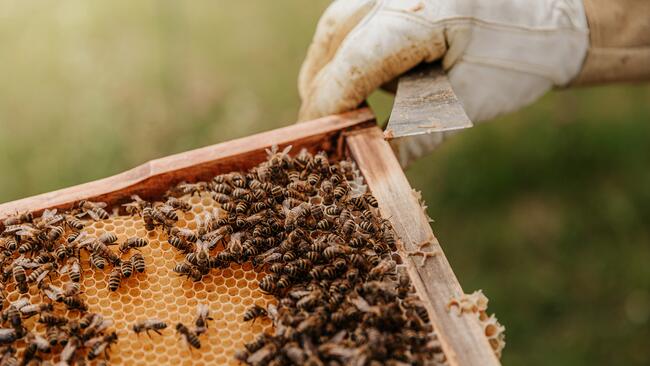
500	54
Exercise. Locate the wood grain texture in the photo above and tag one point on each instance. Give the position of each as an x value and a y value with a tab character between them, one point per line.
152	179
425	103
462	337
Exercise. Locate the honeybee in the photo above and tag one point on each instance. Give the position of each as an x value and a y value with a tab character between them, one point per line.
189	336
126	268
381	269
403	282
55	233
371	200
12	314
202	318
241	194
179	204
269	283
99	248
86	320
188	270
242	207
9	243
302	159
187	234
38	342
138	262
74	223
39	273
167	211
107	238
63	251
52	335
114	279
238	180
340	192
134	242
334	251
102	345
324	225
160	218
348	228
147	217
254	312
184	188
98	261
18	218
69	350
136	206
220	197
310	300
71	289
20	278
181	244
29	246
75	303
7	335
367	226
73	269
93	209
52	320
147	325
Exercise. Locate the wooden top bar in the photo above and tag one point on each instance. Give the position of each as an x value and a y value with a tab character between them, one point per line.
153	178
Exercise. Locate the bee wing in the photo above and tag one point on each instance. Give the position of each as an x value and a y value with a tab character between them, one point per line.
99	204
22	230
105	323
22	261
69	350
6	332
93	215
286	150
272	257
272	311
92	341
47	215
28	308
42	276
52	293
270	152
150	322
202	310
234	245
63	270
20	303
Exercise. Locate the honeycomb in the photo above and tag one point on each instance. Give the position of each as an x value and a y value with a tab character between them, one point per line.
161	293
477	303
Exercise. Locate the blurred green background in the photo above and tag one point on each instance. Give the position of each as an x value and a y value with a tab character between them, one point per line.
546	210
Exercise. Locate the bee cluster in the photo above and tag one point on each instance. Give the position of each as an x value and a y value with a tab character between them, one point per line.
313	227
46	321
307	224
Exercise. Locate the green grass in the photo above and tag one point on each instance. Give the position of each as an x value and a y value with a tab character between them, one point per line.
546	209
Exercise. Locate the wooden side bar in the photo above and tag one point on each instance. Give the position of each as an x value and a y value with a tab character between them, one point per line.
462	337
153	178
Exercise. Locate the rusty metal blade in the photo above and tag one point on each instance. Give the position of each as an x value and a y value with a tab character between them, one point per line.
425	103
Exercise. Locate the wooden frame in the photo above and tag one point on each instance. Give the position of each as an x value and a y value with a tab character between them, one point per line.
352	133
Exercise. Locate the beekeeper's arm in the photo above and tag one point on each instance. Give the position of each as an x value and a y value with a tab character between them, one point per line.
500	54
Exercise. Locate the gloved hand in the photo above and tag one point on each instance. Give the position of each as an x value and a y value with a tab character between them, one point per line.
500	54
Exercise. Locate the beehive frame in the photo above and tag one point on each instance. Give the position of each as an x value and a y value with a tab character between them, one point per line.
351	134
